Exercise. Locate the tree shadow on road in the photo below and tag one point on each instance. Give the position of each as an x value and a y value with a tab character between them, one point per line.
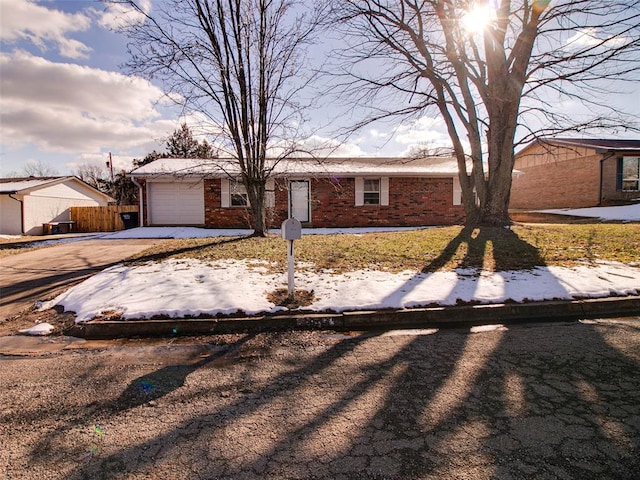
523	402
520	402
157	384
216	420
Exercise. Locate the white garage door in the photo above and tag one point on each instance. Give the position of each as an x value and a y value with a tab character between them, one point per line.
176	203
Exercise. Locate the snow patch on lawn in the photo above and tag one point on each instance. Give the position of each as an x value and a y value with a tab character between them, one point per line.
178	288
39	329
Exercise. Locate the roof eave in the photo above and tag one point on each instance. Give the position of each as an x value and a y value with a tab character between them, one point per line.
632	151
27	191
56	181
214	175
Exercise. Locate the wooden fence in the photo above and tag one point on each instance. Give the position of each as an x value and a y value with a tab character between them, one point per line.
100	219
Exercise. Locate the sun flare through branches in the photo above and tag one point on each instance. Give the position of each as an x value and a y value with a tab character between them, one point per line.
479	16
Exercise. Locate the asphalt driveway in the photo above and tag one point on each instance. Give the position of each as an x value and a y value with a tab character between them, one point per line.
44	273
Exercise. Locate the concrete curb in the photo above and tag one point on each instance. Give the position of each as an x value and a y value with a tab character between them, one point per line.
367	320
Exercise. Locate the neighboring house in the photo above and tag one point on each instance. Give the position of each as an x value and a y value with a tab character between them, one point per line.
573	173
355	192
28	203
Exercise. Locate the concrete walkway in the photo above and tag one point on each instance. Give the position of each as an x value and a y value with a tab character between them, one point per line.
43	273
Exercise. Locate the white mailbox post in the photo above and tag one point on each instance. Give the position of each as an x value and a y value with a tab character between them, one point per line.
291	230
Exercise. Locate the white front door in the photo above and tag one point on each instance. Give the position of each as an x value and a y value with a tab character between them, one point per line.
299	200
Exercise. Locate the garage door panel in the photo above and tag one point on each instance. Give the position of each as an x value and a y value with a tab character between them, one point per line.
176	203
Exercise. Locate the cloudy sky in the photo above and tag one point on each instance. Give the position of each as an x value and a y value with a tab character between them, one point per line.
64	100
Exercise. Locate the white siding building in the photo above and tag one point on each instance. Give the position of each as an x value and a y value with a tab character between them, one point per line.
28	203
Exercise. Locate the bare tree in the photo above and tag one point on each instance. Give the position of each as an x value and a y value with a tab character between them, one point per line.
37	168
529	55
94	175
240	64
120	187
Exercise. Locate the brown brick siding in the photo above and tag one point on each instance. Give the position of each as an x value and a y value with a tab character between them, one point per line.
412	202
556	178
217	217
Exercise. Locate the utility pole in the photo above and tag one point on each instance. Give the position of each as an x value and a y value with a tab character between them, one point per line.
110	166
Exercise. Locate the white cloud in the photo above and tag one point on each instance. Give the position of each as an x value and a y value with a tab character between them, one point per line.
377	134
423	133
120	162
118	15
30	79
591	37
325	147
70	108
24	20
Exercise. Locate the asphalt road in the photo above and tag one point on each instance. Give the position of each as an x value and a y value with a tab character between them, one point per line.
538	401
46	272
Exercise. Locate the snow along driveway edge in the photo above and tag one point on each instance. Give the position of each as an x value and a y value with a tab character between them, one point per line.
179	288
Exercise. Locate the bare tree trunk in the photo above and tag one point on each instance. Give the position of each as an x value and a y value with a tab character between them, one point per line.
256	193
502	113
476	78
240	65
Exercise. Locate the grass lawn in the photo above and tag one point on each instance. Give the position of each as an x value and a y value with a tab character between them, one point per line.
18	244
441	248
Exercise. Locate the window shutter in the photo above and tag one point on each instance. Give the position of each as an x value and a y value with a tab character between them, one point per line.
619	174
224	193
457	191
270	193
359	191
384	191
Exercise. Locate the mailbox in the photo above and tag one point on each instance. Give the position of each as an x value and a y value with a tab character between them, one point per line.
291	229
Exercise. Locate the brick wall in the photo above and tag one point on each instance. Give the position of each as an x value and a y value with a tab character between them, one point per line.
556	177
217	217
412	202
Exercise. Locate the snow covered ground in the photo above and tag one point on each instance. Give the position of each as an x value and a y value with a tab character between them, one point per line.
188	287
628	213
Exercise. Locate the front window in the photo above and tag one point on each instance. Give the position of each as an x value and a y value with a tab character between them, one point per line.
372	191
630	173
239	197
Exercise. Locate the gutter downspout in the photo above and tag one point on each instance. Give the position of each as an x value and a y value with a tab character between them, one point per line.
602	160
21	211
140	199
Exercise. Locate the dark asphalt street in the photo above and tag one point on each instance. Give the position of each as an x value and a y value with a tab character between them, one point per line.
533	401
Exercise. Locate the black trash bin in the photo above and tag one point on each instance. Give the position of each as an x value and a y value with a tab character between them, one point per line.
130	219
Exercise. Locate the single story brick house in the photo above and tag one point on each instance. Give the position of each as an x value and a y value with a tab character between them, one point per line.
29	202
576	173
335	192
